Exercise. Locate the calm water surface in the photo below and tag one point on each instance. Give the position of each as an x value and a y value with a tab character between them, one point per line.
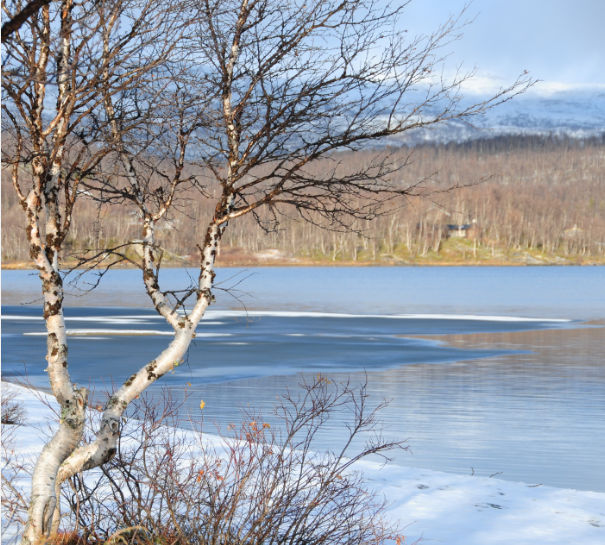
469	390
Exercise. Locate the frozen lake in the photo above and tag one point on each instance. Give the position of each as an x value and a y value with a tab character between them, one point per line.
488	370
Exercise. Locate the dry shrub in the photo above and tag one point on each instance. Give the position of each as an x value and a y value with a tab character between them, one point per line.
67	538
14	468
12	411
259	484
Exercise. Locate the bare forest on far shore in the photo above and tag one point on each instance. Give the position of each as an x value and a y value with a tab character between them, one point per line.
517	200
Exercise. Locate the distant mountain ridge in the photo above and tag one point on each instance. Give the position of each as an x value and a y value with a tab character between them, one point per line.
573	113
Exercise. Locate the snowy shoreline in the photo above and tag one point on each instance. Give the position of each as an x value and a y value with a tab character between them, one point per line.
437	508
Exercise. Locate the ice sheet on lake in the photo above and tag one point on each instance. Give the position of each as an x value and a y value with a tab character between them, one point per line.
120	332
221	314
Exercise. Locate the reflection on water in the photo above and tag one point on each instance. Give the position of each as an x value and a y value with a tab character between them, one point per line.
533	417
536	417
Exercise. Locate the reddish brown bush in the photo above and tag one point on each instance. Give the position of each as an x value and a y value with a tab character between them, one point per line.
264	483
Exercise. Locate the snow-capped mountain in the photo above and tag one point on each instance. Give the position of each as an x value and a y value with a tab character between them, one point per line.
572	113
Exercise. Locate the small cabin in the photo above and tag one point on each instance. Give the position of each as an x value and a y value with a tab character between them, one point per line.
463	230
457	231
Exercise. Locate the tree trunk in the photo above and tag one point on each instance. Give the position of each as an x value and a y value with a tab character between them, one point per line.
43	508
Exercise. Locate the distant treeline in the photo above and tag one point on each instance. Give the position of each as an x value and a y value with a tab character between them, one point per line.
542	198
527	142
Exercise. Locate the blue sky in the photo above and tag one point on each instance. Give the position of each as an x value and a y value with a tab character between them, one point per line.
561	42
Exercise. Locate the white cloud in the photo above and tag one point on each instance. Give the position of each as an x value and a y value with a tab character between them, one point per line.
487	84
548	88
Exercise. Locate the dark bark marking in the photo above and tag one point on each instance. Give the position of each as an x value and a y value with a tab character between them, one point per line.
52	309
150	368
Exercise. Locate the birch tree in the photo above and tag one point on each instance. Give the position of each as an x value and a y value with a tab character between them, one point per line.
55	135
117	101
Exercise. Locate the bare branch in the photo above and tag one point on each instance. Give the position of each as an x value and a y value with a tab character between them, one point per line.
16	21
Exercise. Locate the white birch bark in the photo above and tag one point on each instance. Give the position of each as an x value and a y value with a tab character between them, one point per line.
45	253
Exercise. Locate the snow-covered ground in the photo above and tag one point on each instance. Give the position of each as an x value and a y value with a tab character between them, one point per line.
433	507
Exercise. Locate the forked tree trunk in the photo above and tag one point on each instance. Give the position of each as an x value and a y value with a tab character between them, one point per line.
63	456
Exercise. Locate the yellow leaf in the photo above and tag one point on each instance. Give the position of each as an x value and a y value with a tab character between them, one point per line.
202	404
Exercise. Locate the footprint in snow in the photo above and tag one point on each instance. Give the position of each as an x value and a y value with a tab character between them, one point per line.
492	505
